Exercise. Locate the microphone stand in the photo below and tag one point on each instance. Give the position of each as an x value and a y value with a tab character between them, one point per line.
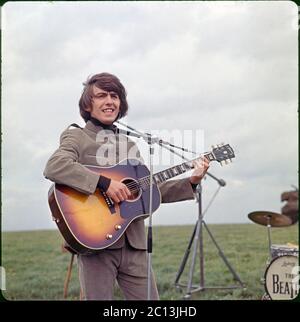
198	236
198	230
150	141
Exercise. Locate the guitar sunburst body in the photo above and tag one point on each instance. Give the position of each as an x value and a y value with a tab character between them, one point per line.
90	223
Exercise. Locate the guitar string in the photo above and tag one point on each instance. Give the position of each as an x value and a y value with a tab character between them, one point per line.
188	164
145	181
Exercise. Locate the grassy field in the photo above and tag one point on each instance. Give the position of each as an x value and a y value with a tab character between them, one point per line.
36	267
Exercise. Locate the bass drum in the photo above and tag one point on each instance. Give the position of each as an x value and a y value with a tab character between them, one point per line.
282	278
280	250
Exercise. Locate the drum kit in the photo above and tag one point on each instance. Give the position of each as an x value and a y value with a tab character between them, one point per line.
281	278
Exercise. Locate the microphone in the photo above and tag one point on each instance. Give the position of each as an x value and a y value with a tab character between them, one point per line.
221	182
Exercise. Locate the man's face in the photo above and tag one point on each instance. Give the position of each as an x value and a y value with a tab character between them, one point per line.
105	105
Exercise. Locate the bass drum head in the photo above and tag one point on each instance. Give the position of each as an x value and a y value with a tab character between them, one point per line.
282	278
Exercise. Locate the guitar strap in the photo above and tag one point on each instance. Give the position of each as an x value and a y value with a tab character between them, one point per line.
75	125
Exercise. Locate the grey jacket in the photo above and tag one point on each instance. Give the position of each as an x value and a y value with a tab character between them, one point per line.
92	146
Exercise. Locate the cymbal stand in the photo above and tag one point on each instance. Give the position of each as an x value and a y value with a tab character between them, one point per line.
269	235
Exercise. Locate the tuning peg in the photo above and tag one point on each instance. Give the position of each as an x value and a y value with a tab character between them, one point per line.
221	163
230	160
227	161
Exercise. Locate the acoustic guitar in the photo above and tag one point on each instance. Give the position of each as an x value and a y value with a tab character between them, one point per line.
91	223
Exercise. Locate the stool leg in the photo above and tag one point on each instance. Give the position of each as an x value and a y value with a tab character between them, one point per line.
67	279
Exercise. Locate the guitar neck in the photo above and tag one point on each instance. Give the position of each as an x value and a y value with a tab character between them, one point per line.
172	172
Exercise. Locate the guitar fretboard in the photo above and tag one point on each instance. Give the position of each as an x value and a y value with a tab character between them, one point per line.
172	172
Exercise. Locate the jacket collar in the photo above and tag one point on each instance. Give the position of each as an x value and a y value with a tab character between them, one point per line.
92	126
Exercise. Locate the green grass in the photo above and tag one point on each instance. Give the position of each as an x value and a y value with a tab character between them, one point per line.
36	267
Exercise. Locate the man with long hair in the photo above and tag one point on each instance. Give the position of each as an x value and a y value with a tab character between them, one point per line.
103	101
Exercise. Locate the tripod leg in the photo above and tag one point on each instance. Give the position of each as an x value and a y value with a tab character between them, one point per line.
201	255
192	268
185	256
236	277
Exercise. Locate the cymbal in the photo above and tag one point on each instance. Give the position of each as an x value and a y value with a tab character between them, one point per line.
266	217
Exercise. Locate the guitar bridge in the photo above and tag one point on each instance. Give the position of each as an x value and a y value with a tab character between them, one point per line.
109	202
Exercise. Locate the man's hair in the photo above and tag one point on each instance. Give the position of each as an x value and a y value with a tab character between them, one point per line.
107	82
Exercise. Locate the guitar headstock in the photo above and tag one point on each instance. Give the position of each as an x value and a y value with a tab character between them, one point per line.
222	153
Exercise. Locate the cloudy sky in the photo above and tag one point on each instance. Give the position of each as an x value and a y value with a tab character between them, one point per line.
226	71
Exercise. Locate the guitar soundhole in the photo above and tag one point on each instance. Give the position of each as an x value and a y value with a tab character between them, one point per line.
134	188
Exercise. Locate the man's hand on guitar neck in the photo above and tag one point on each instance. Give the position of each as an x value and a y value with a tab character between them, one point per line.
201	166
118	191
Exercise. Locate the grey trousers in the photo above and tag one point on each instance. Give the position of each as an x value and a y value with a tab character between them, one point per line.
128	266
